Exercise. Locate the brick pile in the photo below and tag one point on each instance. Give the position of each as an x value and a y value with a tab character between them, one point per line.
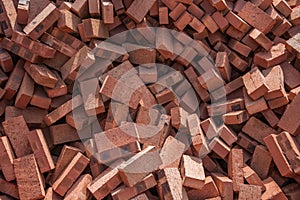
54	65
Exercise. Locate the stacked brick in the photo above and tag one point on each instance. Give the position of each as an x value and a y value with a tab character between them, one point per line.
79	116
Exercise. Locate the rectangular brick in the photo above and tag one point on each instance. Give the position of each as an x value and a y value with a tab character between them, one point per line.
7	156
29	179
70	174
235	168
42	22
40	150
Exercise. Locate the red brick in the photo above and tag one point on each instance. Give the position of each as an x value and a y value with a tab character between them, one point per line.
256	17
138	9
278	156
224	184
40	150
235	168
70	174
29	179
7	157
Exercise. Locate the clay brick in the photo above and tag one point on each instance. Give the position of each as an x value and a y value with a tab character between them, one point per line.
290	149
249	192
237	22
179	117
183	21
177	11
252	178
40	98
142	7
255	84
209	190
239	47
124	193
6	61
293	45
220	20
283	7
131	171
14	80
210	128
94	8
111	86
275	80
211	80
40	150
295	16
236	117
262	4
210	24
80	8
59	90
107	11
235	168
256	106
256	17
278	156
25	92
192	172
59	45
222	63
69	134
116	137
227	135
7	156
66	156
271	117
246	142
70	174
229	88
220	5
29	179
272	190
291	75
168	155
216	109
68	22
195	10
9	16
12	128
289	120
119	6
9	188
32	115
92	101
79	189
192	76
20	51
170	184
62	110
257	129
42	22
198	140
41	75
261	161
224	184
106	182
261	39
276	55
219	147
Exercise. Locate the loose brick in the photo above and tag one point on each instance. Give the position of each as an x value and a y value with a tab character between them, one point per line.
12	128
7	156
170	184
235	168
256	17
255	84
40	150
29	179
131	171
70	174
224	184
289	120
42	22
